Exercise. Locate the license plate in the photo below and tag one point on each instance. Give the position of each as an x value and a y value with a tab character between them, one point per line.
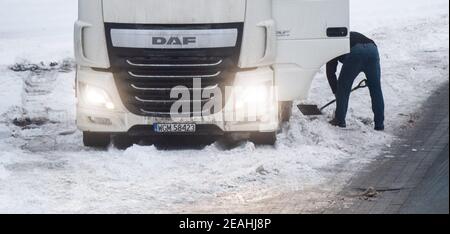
174	128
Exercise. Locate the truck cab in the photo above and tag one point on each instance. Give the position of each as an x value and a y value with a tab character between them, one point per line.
151	68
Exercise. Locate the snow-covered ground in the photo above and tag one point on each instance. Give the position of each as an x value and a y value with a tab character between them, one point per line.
45	168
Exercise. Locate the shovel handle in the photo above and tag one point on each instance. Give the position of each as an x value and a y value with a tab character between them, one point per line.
361	85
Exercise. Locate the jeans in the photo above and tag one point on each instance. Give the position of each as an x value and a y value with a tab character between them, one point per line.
362	58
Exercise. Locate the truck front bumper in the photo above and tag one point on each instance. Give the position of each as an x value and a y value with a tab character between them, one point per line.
117	119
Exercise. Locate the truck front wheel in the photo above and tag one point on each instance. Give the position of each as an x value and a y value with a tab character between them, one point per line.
285	110
96	140
264	138
122	141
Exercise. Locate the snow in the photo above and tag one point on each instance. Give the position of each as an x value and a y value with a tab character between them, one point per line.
45	169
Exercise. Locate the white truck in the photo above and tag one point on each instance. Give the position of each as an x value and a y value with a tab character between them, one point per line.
137	58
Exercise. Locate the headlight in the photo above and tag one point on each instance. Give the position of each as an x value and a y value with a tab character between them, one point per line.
95	96
252	97
254	101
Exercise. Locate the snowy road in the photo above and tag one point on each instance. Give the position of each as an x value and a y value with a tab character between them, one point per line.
411	177
45	168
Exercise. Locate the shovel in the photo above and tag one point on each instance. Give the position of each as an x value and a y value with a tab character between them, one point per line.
312	110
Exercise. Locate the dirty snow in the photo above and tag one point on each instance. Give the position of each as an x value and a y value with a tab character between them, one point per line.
45	169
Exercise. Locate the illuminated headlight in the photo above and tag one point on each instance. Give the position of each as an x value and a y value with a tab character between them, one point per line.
95	96
254	101
258	96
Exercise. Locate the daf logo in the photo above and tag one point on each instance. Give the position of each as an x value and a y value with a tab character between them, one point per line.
177	41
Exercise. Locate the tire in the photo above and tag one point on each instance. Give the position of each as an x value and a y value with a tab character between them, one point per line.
96	140
263	138
122	141
285	110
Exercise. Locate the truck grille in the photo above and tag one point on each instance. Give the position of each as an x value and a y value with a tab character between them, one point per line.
146	77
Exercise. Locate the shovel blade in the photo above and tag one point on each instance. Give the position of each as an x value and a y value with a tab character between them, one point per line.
309	110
